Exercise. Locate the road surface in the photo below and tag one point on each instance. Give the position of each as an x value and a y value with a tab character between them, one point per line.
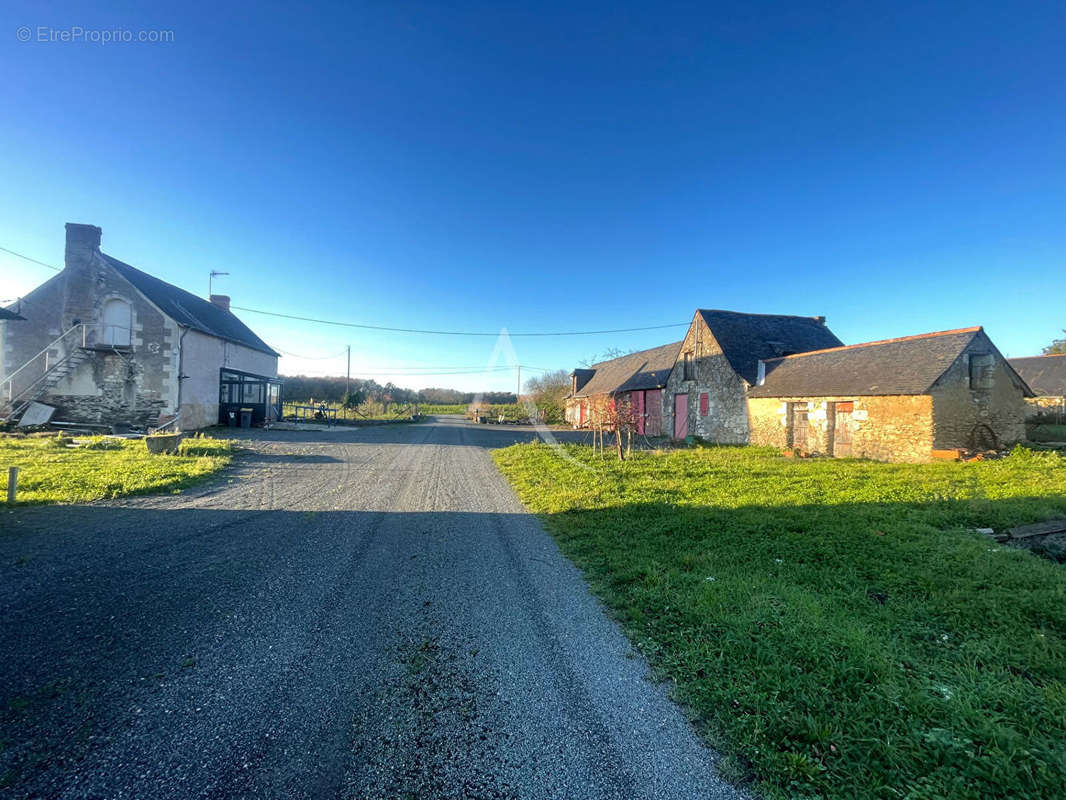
364	613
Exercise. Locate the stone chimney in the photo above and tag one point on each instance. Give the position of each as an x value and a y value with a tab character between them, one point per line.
221	300
82	242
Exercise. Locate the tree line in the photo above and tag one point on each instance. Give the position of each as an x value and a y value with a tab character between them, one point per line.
302	388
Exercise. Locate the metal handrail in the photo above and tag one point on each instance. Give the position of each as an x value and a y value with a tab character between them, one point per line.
9	381
8	378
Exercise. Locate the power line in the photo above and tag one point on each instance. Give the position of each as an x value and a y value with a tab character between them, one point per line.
452	333
33	260
309	358
389	329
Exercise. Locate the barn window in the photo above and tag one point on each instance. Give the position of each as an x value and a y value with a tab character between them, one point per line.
981	370
704	404
689	372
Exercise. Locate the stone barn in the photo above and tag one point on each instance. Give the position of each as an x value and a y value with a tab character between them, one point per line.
1046	376
108	345
706	393
637	377
892	400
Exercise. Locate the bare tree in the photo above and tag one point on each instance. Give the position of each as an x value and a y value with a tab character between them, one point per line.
548	393
612	414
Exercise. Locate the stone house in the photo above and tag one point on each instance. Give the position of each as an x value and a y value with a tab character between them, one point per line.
894	400
706	392
638	378
1046	376
107	344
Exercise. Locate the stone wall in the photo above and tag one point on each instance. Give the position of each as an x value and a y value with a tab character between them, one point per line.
726	420
963	415
130	387
884	428
133	386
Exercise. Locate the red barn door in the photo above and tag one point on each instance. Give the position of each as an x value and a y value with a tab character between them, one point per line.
680	416
637	401
653	408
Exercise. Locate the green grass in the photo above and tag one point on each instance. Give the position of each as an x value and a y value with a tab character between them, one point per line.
1046	432
368	412
454	408
51	472
835	626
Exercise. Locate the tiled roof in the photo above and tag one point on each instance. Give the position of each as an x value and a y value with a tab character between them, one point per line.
910	365
1046	375
189	310
646	369
747	338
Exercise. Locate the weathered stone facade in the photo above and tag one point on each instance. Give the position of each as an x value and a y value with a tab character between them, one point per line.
129	353
122	386
978	402
987	412
726	420
890	428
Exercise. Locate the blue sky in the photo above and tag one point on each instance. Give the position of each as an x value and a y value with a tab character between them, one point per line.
552	167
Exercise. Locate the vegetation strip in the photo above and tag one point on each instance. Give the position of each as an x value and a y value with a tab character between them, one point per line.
836	626
53	470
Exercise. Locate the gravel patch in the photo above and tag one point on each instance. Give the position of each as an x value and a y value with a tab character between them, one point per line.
360	613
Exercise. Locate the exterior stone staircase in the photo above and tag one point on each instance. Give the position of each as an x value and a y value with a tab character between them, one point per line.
16	406
42	373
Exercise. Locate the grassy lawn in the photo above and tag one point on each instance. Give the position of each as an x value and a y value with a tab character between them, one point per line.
835	627
368	412
51	472
454	408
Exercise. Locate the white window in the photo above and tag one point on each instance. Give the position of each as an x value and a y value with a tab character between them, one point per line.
117	321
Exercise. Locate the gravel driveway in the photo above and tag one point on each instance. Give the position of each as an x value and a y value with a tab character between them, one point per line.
365	613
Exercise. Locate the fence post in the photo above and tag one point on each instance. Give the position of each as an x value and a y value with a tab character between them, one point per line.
12	484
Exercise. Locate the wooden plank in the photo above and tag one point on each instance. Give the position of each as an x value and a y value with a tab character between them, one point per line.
1038	529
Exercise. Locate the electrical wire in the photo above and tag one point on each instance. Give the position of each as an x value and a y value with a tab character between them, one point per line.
453	333
32	260
391	329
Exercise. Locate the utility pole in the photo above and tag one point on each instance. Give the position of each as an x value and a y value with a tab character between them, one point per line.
518	396
348	379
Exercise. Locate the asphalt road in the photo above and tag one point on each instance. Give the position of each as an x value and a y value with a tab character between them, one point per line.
367	613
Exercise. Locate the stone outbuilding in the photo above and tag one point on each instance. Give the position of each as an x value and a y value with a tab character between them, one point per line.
706	392
109	345
905	399
638	378
1046	376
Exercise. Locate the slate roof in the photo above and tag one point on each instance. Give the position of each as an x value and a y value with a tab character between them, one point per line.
747	338
906	366
646	369
189	310
1046	375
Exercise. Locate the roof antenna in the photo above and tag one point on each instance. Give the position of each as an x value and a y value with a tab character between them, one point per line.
210	278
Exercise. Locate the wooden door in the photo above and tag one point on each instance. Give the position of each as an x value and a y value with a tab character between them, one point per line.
680	416
800	426
653	410
842	430
637	402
